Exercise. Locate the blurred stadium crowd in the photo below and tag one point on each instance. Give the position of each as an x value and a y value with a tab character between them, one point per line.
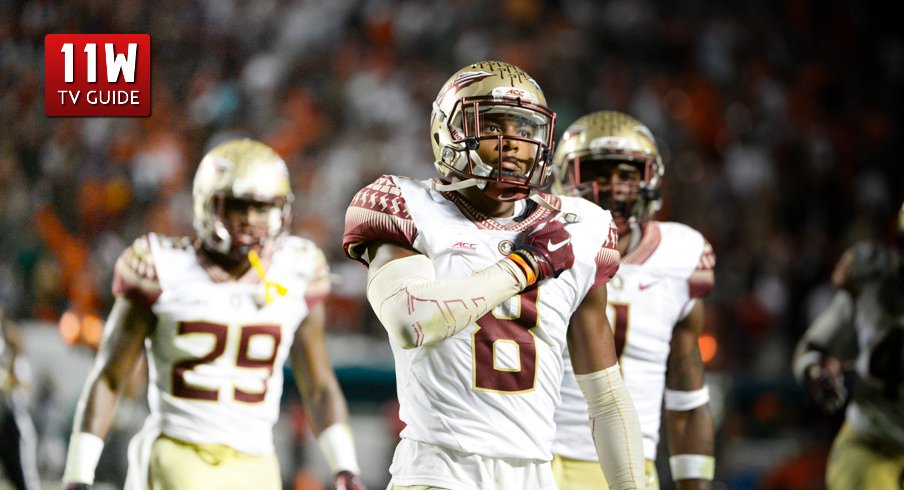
777	120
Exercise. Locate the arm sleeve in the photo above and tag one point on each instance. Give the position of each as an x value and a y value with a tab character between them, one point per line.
417	309
615	427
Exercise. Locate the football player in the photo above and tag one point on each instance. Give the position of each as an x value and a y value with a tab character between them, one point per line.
17	431
867	311
654	305
217	316
475	275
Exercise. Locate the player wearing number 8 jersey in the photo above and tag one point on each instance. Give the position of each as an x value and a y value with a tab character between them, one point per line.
218	317
475	276
612	159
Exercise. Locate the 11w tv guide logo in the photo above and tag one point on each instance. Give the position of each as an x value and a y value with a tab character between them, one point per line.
97	75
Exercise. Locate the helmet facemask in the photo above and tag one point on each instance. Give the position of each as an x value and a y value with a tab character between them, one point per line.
618	184
608	147
241	224
515	164
490	129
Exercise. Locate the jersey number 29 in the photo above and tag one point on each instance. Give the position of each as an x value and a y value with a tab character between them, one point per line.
182	389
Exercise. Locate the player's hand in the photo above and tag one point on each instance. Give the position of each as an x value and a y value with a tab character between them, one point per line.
76	486
826	384
346	480
549	248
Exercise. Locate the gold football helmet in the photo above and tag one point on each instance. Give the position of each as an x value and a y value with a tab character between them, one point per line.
469	100
612	159
240	170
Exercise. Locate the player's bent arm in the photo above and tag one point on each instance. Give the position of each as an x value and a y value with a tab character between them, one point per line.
830	332
689	423
127	325
613	420
321	393
416	308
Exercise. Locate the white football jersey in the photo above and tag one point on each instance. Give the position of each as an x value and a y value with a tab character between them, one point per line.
655	287
218	347
877	408
492	388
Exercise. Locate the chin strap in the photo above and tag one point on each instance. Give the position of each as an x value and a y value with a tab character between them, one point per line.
455	186
537	198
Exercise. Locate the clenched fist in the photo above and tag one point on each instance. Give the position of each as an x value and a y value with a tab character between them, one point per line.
826	384
346	480
547	251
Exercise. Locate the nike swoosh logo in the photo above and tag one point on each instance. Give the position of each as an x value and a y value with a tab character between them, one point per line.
552	247
508	197
645	286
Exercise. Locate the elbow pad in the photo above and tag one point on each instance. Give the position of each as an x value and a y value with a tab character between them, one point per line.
615	426
417	309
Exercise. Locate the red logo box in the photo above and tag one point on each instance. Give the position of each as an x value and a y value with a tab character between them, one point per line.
97	75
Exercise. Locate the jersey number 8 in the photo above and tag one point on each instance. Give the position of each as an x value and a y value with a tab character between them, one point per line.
504	348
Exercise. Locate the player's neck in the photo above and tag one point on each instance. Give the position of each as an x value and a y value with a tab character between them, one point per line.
223	267
630	239
487	205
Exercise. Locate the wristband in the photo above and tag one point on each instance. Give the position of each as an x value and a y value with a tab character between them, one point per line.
522	264
338	447
81	460
686	400
692	467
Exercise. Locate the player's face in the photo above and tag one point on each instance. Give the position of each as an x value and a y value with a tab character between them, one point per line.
613	185
503	145
249	223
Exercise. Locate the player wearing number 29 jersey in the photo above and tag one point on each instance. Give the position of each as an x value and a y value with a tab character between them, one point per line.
217	315
475	277
612	159
219	341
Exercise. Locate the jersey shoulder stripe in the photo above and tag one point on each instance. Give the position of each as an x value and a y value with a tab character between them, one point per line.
703	279
597	224
307	262
688	254
377	212
135	272
607	260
